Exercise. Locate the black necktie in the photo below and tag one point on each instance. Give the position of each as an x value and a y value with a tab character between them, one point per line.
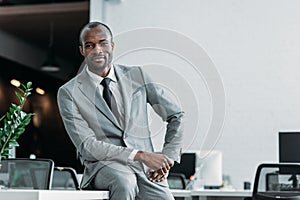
106	91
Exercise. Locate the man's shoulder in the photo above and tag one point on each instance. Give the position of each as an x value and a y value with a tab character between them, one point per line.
69	84
126	67
128	70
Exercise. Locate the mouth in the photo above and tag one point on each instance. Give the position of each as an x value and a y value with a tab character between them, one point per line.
98	58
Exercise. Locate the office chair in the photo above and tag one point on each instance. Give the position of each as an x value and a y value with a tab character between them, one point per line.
65	178
25	173
276	181
176	181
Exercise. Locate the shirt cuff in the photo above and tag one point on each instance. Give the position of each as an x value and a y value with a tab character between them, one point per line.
132	155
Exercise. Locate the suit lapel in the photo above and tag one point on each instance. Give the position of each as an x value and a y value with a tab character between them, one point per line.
93	94
125	86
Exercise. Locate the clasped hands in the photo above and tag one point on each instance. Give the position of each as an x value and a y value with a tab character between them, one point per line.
159	165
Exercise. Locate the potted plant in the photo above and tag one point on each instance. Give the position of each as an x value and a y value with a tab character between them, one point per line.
14	122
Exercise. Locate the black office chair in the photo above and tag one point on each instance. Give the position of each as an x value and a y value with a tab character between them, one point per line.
276	181
176	181
65	178
25	173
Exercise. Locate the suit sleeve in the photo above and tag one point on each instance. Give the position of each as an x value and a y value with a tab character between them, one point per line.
166	106
84	139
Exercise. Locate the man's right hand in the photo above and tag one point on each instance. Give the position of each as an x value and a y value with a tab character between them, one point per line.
154	161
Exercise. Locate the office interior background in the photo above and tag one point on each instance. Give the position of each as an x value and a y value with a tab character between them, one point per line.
253	45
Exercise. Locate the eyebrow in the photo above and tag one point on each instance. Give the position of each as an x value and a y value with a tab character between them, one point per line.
93	42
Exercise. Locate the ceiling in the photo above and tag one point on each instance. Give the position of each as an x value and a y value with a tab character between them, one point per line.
31	21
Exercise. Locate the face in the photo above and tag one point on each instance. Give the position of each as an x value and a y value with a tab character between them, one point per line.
97	48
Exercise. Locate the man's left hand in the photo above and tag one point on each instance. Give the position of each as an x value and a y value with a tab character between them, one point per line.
158	175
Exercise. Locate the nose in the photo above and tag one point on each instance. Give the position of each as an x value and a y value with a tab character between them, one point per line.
98	49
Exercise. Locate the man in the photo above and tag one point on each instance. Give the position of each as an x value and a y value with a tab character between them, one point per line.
108	123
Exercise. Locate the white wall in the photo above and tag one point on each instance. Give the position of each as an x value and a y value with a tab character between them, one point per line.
255	46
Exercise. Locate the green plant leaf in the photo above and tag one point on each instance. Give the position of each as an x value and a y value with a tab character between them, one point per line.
23	86
29	84
13	143
3	138
5	153
8	116
11	110
14	121
19	131
19	97
22	91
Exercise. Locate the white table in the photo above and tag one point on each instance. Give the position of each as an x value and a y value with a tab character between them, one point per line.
181	194
220	194
211	194
101	195
53	195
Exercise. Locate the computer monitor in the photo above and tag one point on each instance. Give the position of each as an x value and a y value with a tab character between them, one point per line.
187	165
209	164
289	146
211	169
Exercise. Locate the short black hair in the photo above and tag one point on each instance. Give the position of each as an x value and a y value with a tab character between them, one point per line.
93	25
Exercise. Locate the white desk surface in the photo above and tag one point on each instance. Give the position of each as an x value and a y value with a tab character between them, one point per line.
99	195
222	193
181	193
212	193
53	194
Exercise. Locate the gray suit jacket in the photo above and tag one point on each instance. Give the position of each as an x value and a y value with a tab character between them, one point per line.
97	135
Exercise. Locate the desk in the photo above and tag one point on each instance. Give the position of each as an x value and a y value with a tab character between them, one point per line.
53	195
220	194
181	194
211	194
101	195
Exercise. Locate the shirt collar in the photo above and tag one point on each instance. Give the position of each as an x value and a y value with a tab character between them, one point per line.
96	79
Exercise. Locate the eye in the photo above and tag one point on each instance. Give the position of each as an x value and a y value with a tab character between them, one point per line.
89	46
104	43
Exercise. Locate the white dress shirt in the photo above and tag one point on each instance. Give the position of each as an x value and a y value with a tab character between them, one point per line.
117	103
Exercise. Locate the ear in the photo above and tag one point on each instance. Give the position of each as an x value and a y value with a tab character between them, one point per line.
112	45
81	50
